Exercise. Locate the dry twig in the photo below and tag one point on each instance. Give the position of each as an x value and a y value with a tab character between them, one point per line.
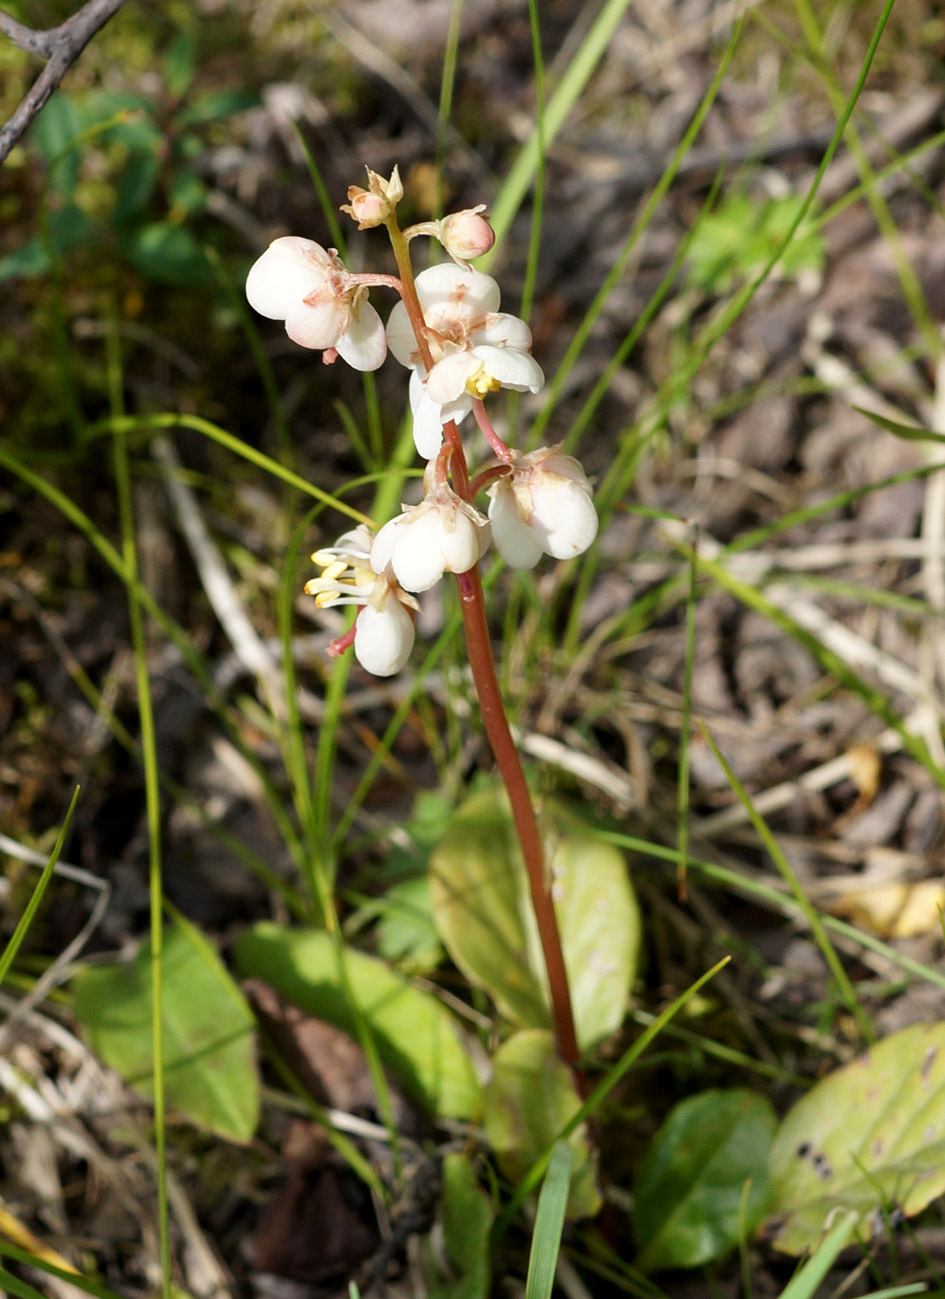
60	46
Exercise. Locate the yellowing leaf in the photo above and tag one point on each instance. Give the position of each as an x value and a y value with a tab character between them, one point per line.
894	910
870	1134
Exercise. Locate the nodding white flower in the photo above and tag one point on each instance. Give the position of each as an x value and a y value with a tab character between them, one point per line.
543	507
384	631
298	281
476	349
443	534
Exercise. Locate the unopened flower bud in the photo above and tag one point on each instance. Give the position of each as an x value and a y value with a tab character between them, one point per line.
466	235
367	209
372	206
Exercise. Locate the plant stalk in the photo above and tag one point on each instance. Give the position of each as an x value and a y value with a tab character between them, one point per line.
479	645
496	723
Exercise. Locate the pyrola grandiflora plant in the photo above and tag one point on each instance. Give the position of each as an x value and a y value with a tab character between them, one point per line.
448	331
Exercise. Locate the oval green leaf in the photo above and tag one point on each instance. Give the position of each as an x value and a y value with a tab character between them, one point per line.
525	1106
466	1221
690	1203
416	1036
210	1074
868	1136
483	912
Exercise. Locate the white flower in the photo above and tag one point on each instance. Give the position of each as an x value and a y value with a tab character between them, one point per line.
476	349
384	632
298	281
543	507
443	534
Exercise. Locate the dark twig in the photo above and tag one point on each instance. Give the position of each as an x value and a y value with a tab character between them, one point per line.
61	46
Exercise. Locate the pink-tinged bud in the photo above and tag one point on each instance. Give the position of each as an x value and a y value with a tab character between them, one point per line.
367	209
467	235
372	206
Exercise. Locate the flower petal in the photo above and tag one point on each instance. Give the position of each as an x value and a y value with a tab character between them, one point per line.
502	330
400	336
427	426
567	516
384	545
383	638
320	325
447	380
288	270
518	544
364	343
512	368
477	292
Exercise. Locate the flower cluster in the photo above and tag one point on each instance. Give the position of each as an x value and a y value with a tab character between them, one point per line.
447	329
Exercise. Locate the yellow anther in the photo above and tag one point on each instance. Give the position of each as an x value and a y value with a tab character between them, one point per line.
481	382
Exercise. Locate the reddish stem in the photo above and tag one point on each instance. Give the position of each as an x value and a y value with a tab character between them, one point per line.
507	760
472	603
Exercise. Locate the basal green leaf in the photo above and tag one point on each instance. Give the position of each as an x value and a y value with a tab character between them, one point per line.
868	1136
466	1217
525	1106
210	1074
688	1201
482	908
416	1036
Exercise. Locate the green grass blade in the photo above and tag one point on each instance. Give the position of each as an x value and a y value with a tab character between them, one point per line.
9	1250
126	424
804	1284
777	900
682	780
831	662
569	89
787	873
549	1222
152	797
639	228
598	1095
8	955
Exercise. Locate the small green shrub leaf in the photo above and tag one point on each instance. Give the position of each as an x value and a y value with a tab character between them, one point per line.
868	1137
690	1204
483	912
416	1036
466	1217
210	1074
525	1106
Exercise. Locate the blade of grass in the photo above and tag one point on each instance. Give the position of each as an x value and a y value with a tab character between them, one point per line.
639	228
804	1284
831	662
622	469
549	1223
682	785
787	873
445	106
776	899
576	76
129	550
27	1259
173	630
8	955
127	424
